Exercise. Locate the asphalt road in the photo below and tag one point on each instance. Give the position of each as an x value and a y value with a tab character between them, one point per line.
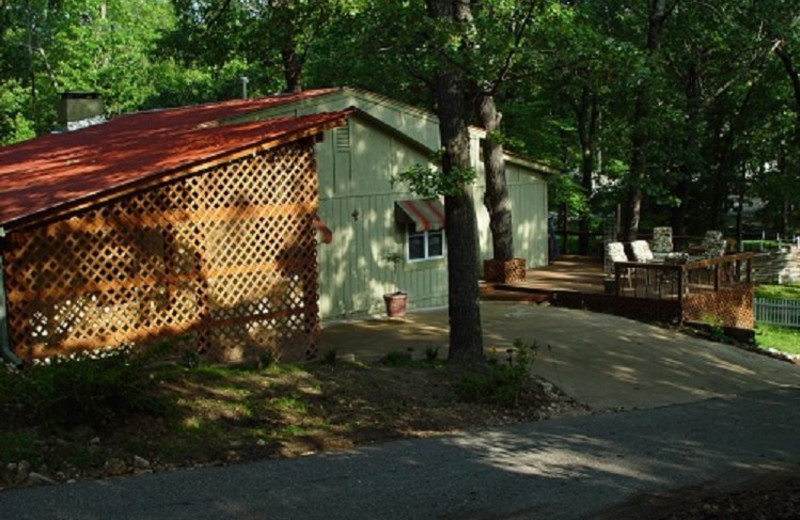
570	468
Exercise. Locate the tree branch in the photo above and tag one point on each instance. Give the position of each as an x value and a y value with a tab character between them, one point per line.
788	65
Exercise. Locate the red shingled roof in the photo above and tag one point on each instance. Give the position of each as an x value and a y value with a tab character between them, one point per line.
63	171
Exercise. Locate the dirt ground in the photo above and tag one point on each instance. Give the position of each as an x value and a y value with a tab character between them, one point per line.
771	496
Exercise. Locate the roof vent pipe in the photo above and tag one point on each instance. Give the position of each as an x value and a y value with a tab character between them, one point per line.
245	81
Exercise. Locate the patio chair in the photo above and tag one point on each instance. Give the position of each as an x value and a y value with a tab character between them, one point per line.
713	244
661	245
641	251
615	252
642	254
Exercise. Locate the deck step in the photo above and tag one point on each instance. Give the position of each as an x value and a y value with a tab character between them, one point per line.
501	292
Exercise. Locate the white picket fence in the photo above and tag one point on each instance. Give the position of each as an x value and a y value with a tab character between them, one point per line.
778	312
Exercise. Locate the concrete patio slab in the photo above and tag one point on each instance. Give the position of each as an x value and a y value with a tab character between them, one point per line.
604	361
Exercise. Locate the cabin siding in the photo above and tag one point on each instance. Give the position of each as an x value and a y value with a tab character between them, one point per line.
357	204
354	273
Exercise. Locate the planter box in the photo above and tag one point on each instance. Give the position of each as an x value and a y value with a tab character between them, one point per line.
504	271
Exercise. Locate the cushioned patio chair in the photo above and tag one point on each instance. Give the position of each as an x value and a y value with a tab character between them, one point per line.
641	251
615	252
713	244
661	245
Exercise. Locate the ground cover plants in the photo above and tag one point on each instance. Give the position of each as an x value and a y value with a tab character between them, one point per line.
141	412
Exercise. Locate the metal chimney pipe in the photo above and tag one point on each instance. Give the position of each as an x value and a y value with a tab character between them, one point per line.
244	80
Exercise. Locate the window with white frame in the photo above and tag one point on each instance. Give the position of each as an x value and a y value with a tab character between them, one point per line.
424	245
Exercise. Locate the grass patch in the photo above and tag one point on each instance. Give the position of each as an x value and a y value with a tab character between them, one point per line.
790	291
785	339
762	245
289	403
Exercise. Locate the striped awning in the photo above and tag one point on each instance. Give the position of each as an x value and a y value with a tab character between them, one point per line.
426	215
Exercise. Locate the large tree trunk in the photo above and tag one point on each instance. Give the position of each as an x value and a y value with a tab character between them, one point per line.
719	188
587	113
466	334
794	78
292	67
640	137
496	198
692	156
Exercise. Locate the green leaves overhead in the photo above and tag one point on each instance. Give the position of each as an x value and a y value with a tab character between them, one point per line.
722	116
428	182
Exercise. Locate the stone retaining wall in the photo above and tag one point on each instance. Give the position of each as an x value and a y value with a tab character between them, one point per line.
777	266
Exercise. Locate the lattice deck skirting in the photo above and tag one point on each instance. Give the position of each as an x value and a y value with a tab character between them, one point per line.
228	254
730	307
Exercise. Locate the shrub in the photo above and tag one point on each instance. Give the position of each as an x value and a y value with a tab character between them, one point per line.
83	389
398	358
330	356
431	354
501	384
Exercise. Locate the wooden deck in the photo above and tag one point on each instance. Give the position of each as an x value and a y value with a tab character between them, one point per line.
652	293
577	274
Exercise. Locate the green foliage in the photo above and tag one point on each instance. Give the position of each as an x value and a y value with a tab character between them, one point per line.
83	390
715	327
501	384
330	356
547	62
267	358
563	189
431	354
790	291
398	358
430	183
16	446
14	125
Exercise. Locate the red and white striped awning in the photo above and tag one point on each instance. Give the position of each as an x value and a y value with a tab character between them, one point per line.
426	215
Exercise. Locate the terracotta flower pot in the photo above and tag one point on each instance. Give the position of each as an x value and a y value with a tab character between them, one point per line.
395	304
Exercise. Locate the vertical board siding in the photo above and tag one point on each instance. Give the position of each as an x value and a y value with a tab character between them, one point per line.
785	313
528	194
353	273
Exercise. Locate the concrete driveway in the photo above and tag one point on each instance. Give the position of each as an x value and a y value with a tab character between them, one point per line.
604	361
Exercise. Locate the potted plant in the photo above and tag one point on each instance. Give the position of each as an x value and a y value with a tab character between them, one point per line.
397	300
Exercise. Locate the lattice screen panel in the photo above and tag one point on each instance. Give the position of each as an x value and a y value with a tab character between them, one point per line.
730	307
229	253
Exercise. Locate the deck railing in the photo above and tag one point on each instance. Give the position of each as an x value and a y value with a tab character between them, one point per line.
661	280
